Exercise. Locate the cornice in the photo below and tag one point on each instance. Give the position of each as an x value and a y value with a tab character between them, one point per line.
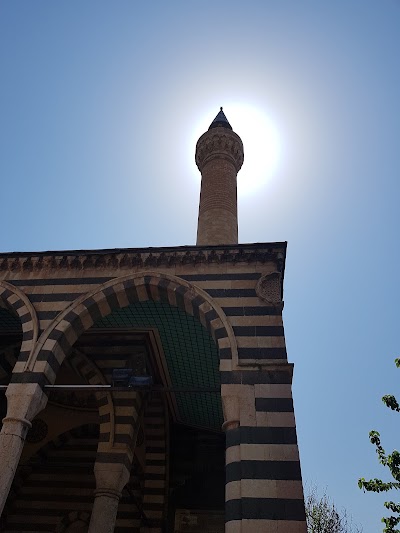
142	257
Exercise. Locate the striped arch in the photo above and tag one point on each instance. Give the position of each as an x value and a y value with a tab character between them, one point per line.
15	301
56	342
119	413
93	375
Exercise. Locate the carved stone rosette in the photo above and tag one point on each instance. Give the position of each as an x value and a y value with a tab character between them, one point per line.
269	288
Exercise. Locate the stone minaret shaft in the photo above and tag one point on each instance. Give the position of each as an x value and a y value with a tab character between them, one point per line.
219	157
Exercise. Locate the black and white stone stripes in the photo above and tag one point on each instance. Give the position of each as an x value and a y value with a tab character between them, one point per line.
56	342
16	301
155	489
263	478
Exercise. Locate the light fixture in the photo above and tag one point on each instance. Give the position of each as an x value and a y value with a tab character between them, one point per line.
123	377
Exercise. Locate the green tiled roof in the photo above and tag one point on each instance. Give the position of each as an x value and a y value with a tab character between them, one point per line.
190	351
191	355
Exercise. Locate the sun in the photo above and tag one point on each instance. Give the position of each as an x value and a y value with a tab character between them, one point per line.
261	144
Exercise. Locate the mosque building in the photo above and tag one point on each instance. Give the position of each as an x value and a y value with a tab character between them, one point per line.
148	389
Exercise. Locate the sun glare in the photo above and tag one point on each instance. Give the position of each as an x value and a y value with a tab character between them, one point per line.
261	144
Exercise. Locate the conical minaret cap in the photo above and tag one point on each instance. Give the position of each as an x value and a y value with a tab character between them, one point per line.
220	121
219	142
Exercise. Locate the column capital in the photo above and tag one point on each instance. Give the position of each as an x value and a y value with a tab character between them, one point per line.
111	478
24	402
231	410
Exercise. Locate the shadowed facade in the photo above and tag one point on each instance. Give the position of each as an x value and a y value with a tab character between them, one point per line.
209	446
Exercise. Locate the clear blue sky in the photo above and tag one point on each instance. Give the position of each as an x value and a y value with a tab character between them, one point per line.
100	105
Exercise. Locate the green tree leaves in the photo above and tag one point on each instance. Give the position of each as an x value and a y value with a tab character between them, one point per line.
392	462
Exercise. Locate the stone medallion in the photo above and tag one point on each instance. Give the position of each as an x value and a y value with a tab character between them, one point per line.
269	288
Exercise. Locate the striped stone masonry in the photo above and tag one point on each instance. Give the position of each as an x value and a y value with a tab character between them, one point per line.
263	477
59	478
235	292
155	489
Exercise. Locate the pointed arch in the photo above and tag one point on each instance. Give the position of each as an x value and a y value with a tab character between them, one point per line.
57	340
93	375
15	301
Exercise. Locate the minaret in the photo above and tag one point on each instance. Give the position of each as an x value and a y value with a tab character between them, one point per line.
219	157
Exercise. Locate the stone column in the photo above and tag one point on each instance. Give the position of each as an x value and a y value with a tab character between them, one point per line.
24	402
111	478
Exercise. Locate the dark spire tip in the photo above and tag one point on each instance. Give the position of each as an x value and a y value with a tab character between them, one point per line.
220	121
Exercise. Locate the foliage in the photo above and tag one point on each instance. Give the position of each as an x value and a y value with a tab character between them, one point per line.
392	461
323	517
